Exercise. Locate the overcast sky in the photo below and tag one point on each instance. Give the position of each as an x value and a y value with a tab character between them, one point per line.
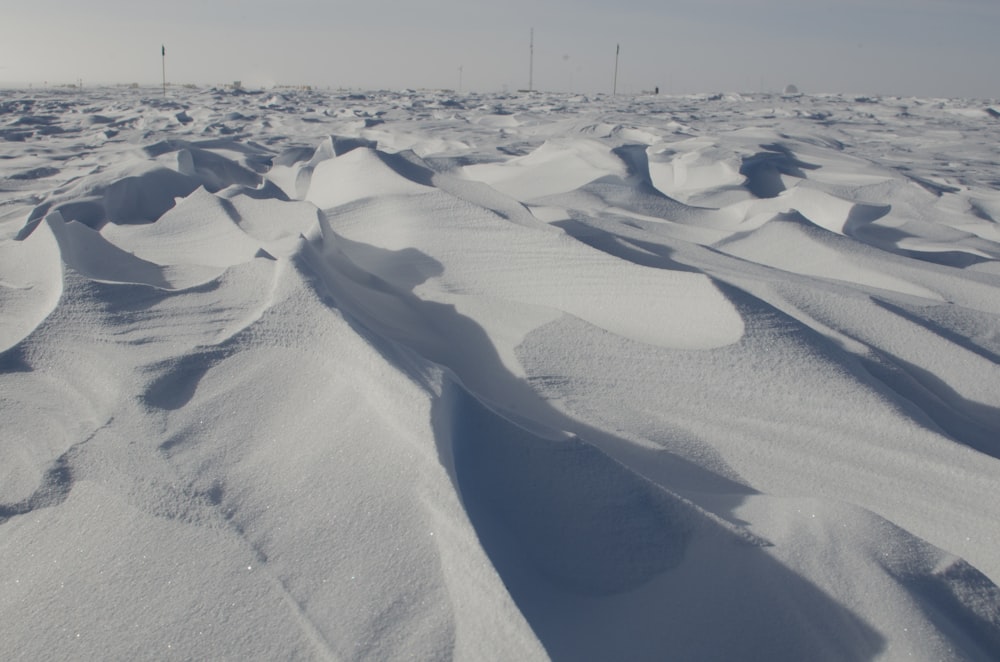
904	47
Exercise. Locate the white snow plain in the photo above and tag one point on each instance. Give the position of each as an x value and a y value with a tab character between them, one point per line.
416	375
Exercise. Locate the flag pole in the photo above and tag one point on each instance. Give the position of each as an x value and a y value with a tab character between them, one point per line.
614	89
163	57
531	61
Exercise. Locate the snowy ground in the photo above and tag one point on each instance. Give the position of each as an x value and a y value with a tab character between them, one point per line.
313	375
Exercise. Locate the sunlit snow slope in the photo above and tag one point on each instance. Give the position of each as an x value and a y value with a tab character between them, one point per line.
410	375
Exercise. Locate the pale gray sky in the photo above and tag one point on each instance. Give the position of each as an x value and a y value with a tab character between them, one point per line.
906	47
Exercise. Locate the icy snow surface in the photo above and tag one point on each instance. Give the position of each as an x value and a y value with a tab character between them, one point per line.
415	375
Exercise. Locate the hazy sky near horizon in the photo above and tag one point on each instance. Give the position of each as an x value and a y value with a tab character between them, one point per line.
904	47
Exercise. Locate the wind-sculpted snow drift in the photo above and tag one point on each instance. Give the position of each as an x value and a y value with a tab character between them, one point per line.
417	375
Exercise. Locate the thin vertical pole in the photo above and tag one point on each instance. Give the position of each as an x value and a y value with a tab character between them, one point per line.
163	61
614	89
531	62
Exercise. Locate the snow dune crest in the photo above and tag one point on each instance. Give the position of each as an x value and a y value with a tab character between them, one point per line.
330	376
488	256
30	284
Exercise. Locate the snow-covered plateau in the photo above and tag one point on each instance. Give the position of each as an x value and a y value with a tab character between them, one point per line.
318	375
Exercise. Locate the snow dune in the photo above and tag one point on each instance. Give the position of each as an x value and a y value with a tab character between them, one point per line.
30	285
490	377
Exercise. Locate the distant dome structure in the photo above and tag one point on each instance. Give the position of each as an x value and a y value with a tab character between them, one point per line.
791	89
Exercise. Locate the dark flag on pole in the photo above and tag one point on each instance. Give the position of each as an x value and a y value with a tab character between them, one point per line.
163	51
163	65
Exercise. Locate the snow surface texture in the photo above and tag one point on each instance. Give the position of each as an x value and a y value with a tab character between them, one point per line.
414	375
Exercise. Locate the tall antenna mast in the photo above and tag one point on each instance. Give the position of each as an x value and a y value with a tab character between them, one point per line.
531	62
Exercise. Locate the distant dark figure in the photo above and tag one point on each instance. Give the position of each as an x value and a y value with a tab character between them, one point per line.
656	90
